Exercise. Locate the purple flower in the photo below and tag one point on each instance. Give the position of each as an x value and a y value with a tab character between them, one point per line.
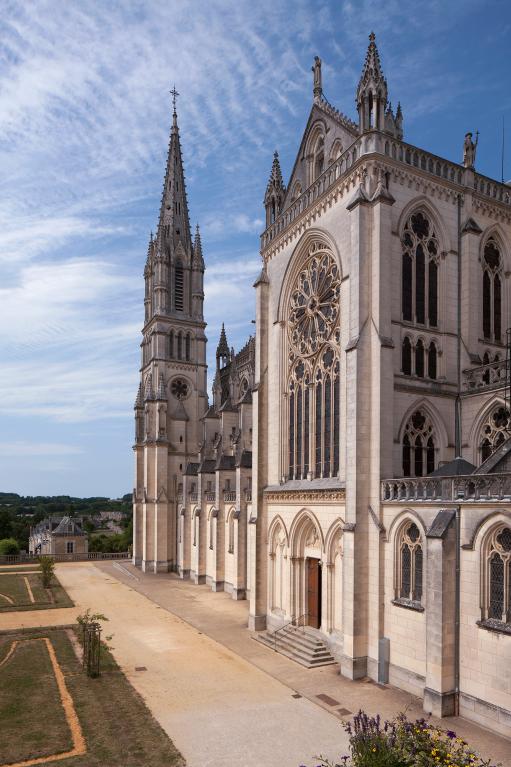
450	734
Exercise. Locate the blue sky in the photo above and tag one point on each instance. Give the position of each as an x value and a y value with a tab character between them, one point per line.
84	120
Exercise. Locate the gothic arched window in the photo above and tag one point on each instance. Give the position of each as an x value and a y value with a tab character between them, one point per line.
179	287
187	346
432	356
419	287
492	291
180	345
406	356
313	388
494	432
496	563
418	450
419	359
410	563
230	531
171	344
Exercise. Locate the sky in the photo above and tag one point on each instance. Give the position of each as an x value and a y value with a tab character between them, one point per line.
84	122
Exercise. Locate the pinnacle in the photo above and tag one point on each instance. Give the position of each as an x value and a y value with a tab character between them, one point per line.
223	346
198	258
372	72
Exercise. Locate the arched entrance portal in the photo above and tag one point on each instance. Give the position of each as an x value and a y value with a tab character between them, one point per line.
306	580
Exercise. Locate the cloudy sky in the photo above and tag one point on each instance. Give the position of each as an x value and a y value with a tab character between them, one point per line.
84	121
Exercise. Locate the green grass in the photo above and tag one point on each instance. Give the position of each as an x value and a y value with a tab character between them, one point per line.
119	729
13	586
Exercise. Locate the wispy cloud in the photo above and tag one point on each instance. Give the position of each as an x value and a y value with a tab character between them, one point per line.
84	118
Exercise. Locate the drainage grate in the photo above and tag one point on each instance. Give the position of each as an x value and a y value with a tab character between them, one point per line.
344	711
327	699
140	668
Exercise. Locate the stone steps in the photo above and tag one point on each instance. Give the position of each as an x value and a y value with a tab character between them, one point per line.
298	644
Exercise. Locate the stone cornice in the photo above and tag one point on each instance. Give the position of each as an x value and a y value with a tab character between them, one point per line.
305	496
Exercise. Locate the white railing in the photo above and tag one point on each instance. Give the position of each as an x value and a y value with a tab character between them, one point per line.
13	559
472	487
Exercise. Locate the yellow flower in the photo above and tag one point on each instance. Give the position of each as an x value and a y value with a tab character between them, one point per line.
374	749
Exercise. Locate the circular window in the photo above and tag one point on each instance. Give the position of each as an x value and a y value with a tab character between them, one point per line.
179	388
314	303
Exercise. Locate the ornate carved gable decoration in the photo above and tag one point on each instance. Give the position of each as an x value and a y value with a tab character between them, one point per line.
305	496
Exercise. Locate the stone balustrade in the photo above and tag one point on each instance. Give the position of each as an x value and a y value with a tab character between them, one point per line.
397	150
478	488
229	495
492	375
210	496
193	497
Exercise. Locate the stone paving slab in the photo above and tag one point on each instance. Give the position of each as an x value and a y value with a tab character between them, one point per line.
225	620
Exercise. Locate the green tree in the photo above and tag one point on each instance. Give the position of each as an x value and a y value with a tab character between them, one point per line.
9	546
5	524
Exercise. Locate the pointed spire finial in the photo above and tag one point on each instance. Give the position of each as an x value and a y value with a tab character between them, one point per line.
198	259
318	84
222	351
174	95
372	37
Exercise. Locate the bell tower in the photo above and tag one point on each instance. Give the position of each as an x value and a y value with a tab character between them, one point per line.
172	395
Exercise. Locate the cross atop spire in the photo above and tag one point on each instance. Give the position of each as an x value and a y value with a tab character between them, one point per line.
174	95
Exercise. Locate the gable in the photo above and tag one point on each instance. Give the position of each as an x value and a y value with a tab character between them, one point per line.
327	132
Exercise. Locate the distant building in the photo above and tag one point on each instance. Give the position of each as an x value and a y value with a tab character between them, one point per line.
58	535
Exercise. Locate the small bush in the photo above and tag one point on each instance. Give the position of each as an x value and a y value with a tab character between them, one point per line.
9	546
46	571
402	743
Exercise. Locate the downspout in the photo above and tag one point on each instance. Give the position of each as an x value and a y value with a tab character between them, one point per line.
458	507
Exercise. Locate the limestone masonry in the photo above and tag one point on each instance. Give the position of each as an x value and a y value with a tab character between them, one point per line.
353	470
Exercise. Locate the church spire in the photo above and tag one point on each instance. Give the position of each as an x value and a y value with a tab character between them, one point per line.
174	223
372	90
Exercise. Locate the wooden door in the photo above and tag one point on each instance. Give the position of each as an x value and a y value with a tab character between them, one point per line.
313	593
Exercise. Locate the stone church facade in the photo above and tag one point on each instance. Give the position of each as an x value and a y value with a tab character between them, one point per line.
352	472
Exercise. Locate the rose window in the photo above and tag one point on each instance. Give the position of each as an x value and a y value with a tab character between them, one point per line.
179	388
314	304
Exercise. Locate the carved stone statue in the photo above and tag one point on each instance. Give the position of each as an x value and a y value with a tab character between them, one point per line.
316	69
469	150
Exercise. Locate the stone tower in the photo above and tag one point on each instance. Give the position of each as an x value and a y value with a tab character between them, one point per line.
172	395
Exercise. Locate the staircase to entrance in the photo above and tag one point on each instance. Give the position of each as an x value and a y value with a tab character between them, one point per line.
302	644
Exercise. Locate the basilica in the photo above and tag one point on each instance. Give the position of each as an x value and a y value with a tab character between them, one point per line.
350	477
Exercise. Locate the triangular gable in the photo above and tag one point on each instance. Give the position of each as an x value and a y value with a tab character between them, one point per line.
336	127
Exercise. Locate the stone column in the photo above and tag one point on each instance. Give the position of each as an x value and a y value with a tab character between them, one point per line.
259	576
439	693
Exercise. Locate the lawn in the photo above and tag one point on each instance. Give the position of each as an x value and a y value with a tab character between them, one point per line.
24	591
103	722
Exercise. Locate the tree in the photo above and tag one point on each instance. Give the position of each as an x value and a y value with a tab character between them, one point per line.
46	571
5	524
9	546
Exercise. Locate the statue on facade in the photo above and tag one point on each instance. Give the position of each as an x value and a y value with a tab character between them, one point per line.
469	150
316	69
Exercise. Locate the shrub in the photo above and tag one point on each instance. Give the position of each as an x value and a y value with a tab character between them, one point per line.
46	571
402	743
9	546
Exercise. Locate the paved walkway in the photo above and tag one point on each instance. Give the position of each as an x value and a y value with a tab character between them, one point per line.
219	709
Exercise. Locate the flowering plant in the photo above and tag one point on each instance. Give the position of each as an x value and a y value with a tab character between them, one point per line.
403	743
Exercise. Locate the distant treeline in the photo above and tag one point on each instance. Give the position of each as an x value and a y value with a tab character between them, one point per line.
18	513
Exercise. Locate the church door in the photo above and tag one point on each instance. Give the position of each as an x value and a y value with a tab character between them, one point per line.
313	593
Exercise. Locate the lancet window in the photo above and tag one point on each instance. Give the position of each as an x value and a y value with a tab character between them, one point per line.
179	287
410	561
492	292
418	449
420	271
313	385
494	432
497	575
419	359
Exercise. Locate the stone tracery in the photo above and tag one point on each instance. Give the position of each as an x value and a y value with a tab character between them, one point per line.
313	372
